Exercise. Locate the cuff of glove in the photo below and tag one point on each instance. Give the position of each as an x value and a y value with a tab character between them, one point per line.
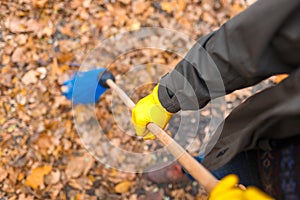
157	99
170	103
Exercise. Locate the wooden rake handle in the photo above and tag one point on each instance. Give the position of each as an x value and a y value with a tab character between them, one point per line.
193	167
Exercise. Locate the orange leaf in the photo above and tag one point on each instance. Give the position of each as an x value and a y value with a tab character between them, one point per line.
181	4
235	9
36	178
123	187
167	6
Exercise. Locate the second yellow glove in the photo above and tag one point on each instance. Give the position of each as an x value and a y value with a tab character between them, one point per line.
227	189
149	109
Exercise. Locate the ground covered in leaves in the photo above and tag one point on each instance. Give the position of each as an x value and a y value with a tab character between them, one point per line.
42	43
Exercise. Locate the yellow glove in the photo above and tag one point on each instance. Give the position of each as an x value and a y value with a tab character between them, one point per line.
227	189
149	109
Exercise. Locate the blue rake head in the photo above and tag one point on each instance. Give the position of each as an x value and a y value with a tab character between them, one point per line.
85	87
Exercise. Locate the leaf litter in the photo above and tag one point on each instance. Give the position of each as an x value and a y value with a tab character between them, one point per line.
42	44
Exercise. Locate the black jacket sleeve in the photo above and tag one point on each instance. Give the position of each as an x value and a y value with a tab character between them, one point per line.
263	40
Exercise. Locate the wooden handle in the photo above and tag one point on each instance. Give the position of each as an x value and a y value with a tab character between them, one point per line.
193	167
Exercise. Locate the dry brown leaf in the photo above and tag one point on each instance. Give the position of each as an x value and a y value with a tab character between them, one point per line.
55	189
15	25
5	59
21	39
45	144
123	187
125	1
18	55
30	77
67	30
25	197
48	31
86	3
139	6
207	17
66	46
180	4
39	3
55	177
79	165
36	178
3	174
81	183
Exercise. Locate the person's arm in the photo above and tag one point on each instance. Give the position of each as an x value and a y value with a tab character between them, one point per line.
261	41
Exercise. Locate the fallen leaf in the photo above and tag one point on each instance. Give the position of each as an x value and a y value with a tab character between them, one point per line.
39	3
86	3
5	59
125	1
79	165
134	26
67	30
30	77
45	144
36	178
123	187
48	31
207	17
18	55
181	4
139	6
55	177
21	39
42	72
15	25
235	9
167	6
25	197
3	174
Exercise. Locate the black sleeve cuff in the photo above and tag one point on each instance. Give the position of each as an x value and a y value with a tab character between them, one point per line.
167	100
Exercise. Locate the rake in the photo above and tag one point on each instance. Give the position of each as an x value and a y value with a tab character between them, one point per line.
100	79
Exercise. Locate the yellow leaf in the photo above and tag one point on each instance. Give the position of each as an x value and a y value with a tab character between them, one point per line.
122	187
181	4
5	59
166	6
235	9
135	26
20	176
36	178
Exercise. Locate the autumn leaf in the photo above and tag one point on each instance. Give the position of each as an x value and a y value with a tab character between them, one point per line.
36	178
123	187
139	6
166	6
30	77
39	3
181	4
235	9
3	174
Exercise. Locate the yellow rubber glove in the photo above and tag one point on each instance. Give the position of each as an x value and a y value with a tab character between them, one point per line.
227	189
149	109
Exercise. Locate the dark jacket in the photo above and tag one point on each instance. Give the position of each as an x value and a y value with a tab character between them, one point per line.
262	41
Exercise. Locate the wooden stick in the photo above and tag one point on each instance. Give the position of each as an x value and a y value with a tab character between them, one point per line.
193	167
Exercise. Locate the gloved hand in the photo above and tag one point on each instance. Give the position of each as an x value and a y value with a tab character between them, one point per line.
227	189
149	109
